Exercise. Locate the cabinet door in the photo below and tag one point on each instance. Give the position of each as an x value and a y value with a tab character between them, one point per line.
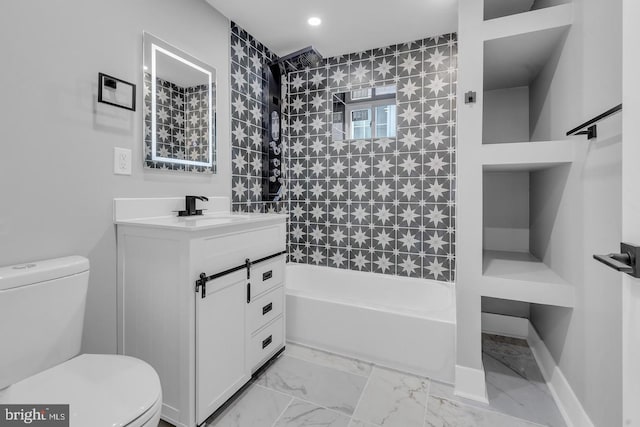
220	342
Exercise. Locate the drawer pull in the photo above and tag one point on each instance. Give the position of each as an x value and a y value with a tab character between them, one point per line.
267	275
267	308
267	341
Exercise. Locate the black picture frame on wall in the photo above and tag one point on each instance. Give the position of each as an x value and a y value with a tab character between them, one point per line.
116	92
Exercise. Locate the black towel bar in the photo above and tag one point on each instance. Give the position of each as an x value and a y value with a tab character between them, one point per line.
592	130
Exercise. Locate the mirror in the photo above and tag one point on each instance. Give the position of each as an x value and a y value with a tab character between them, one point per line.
364	113
179	109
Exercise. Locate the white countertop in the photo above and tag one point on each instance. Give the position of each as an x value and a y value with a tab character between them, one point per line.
206	221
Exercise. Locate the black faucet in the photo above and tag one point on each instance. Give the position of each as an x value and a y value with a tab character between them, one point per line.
190	206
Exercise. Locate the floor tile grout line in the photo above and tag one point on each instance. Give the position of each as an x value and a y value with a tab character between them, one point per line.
326	366
307	401
375	366
525	352
426	405
488	409
283	411
370	364
364	389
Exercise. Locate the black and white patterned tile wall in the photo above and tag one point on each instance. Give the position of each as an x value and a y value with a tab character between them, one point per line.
385	205
182	125
248	126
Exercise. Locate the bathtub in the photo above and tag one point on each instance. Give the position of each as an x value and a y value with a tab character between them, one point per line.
397	322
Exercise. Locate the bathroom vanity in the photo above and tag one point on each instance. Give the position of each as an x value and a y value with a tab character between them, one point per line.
199	298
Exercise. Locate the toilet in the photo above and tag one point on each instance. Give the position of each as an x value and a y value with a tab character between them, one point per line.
42	307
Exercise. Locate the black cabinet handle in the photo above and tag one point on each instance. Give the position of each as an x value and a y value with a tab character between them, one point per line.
267	308
268	275
248	293
267	341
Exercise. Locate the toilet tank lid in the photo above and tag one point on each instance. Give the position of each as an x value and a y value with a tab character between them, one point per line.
30	273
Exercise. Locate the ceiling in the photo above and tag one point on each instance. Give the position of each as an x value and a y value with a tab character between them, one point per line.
347	25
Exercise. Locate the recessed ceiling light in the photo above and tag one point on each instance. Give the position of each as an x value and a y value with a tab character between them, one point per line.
314	21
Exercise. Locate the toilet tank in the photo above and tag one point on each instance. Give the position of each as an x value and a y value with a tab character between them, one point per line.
42	307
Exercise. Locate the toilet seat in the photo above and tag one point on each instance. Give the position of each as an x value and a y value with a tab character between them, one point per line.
102	390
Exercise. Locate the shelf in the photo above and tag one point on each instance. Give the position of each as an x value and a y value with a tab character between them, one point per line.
523	156
494	9
517	47
527	23
520	276
498	8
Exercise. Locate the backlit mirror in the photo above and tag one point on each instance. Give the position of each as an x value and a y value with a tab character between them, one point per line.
364	113
179	109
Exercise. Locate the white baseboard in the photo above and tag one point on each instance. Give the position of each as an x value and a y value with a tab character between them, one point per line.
568	403
517	327
470	384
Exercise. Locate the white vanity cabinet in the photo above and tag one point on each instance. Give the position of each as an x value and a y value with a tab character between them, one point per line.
220	343
204	341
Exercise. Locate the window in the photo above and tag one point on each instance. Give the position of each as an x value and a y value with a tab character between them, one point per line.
373	120
385	121
360	94
361	124
365	113
386	90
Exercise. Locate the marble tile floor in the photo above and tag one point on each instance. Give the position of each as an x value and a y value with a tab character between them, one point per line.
515	385
311	388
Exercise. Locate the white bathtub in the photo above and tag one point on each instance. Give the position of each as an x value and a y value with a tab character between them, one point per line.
402	323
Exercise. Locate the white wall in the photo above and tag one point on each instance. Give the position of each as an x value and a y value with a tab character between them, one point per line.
506	307
57	143
505	211
505	216
582	81
505	115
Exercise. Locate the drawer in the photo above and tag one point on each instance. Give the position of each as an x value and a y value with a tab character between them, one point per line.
218	253
265	343
264	309
266	275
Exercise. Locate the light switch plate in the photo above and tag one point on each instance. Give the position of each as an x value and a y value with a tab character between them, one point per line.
121	161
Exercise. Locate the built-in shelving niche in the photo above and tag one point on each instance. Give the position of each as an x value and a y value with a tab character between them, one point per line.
519	206
520	53
499	8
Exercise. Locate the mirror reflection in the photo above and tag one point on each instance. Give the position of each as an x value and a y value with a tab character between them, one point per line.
365	113
179	113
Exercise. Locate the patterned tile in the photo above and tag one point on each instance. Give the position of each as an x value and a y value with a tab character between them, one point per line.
375	204
388	202
248	57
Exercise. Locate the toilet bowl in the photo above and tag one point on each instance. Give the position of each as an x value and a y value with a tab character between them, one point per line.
101	390
41	314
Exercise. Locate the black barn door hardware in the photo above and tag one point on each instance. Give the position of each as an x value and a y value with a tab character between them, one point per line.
201	283
626	261
590	126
